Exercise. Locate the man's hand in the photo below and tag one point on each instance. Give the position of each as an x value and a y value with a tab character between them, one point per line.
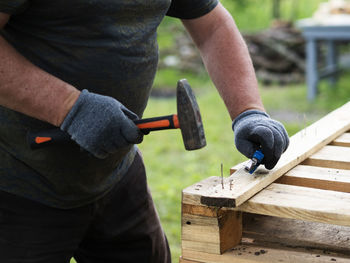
254	129
101	125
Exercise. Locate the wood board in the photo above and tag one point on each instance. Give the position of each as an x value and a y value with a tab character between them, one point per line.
273	239
287	201
331	156
209	229
241	186
318	177
262	254
282	232
342	140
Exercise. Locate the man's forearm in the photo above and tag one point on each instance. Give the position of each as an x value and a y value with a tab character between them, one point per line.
227	60
28	89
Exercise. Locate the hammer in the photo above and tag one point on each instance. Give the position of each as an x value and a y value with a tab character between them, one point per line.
188	120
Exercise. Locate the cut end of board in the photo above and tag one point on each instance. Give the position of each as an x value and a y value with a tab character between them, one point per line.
218	201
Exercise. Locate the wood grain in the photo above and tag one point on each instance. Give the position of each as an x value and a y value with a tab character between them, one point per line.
262	254
331	156
342	140
303	203
318	177
209	230
182	260
274	231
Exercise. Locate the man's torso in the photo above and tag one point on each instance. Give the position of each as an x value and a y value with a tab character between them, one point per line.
108	47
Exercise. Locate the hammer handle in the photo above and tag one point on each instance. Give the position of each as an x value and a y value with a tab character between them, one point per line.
40	139
158	123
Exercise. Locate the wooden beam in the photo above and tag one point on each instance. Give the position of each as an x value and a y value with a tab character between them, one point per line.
288	201
342	140
317	177
262	233
210	230
262	254
182	260
283	232
192	194
302	145
331	156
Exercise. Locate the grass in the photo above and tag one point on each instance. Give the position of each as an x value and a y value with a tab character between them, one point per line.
252	15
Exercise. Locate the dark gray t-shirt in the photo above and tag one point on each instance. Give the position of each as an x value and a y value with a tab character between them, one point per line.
106	46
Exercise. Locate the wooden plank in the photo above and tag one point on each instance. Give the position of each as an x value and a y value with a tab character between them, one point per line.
202	210
235	168
302	145
331	156
305	203
262	254
209	230
288	201
200	228
200	234
284	238
318	177
192	194
274	231
182	260
211	248
342	140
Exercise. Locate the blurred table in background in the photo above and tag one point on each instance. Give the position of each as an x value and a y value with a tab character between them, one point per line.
329	32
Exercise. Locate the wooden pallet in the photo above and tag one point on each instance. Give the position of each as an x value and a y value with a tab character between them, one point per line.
298	212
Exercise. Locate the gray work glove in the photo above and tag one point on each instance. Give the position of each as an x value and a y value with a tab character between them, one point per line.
101	125
255	130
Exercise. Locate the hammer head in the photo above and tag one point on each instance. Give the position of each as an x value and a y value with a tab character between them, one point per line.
189	117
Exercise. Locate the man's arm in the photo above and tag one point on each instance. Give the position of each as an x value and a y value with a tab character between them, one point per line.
30	90
99	124
227	60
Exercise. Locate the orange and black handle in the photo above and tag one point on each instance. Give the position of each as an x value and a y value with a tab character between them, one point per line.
45	138
158	123
56	136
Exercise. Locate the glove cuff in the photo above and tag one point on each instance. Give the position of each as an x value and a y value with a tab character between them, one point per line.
248	113
74	110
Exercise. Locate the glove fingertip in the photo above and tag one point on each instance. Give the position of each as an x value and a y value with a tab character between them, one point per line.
139	137
245	147
139	140
270	165
132	134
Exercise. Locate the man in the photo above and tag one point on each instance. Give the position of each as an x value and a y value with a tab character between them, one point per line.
87	67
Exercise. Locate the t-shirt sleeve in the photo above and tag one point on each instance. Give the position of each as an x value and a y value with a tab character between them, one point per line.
12	6
188	9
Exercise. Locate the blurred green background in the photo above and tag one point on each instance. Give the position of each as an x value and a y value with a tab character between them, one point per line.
170	168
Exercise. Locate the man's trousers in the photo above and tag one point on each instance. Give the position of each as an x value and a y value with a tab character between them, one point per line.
123	226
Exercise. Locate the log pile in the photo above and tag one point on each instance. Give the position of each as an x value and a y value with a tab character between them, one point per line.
278	54
182	56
